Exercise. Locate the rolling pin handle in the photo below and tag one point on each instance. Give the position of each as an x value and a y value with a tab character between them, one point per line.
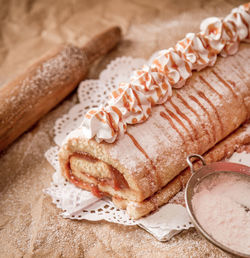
102	43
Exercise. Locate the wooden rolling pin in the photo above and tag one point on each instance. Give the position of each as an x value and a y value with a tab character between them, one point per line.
30	96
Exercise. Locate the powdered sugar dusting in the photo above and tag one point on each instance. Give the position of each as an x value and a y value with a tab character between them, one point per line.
221	205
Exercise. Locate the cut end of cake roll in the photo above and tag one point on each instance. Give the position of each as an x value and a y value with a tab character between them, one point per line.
86	164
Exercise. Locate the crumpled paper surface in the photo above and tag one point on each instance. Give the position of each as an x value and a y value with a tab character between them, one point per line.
30	225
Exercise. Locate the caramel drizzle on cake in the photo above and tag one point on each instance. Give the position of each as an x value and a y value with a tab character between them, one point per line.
175	117
225	83
193	98
152	85
168	118
182	115
202	95
139	147
194	112
210	86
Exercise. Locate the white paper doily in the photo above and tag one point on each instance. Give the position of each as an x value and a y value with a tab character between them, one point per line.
79	204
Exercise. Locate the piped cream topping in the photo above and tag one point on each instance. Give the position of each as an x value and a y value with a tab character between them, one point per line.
132	102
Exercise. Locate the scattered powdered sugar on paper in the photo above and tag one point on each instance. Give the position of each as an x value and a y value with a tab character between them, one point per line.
166	217
242	158
178	198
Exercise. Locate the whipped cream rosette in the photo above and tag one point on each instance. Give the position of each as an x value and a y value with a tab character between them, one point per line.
174	66
211	34
241	18
103	123
194	51
153	84
131	103
230	36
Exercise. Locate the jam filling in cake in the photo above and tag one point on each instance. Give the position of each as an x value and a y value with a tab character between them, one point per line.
116	180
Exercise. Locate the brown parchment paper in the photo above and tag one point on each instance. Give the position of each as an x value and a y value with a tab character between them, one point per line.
30	225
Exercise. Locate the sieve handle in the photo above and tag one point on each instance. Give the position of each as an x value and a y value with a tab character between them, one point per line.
190	162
